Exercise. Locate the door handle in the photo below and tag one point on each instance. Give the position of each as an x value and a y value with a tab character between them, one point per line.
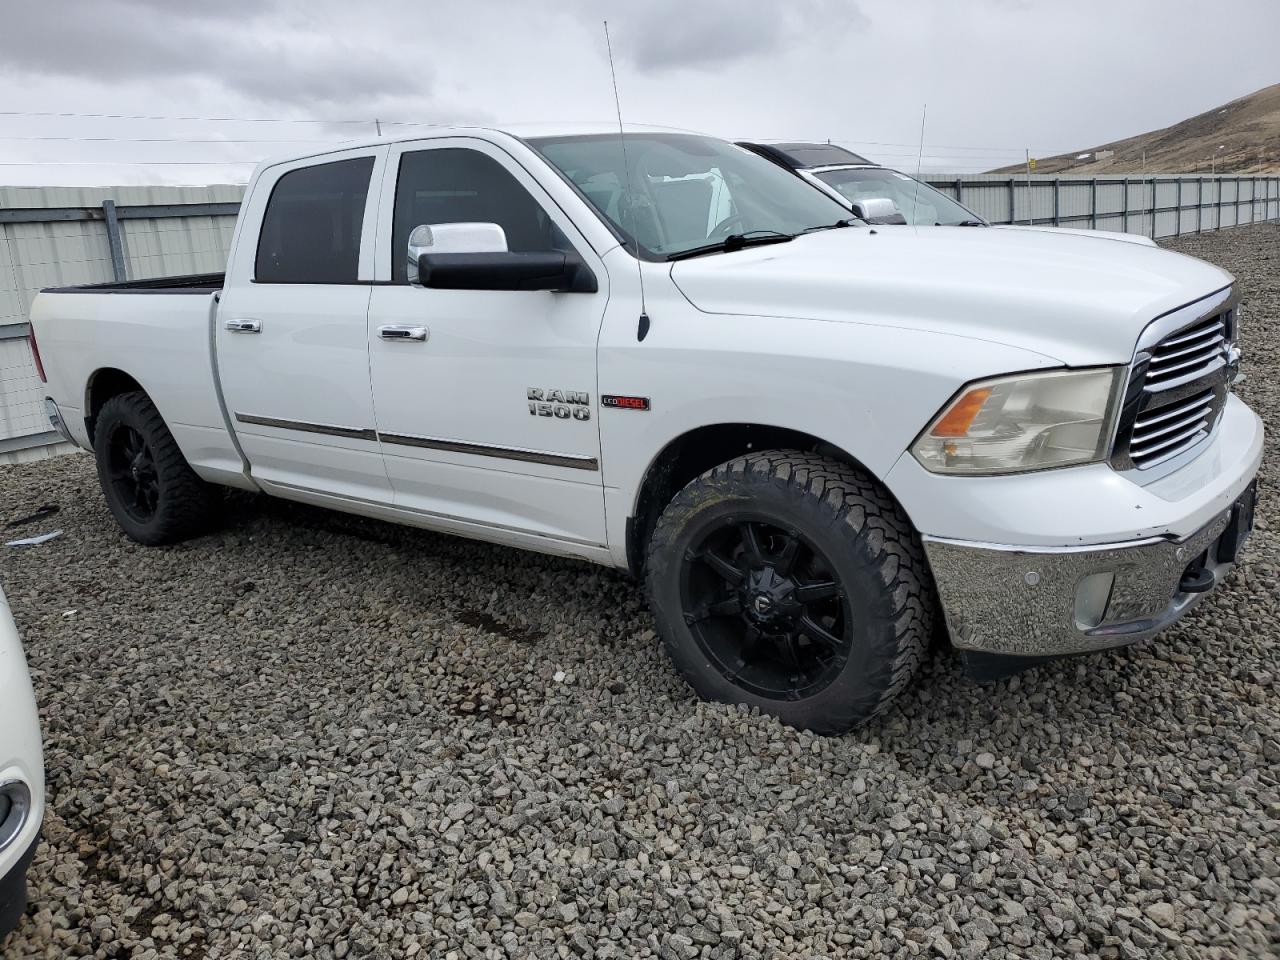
399	331
244	326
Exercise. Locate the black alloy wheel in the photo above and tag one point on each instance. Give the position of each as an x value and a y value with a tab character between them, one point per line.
131	471
766	607
791	583
149	487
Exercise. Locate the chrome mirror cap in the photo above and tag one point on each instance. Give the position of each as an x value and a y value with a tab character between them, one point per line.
878	210
453	238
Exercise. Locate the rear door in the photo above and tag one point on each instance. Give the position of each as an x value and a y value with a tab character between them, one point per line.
292	336
490	417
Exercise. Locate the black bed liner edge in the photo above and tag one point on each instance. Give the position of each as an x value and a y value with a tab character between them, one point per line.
197	283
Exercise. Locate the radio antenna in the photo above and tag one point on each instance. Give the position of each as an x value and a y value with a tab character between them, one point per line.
643	329
924	113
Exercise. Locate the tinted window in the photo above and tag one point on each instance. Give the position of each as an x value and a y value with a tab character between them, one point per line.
311	230
456	185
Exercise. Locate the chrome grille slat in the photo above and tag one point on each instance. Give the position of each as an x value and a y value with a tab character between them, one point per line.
1192	359
1159	414
1141	439
1211	326
1188	351
1180	440
1163	372
1196	349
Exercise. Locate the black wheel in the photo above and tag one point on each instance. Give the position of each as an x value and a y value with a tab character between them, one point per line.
149	487
793	583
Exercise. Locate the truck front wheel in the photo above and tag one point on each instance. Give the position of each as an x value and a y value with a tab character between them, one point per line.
793	583
149	487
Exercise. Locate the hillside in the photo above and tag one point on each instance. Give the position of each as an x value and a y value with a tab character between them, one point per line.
1242	136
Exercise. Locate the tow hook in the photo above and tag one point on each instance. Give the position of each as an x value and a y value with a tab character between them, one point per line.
1197	578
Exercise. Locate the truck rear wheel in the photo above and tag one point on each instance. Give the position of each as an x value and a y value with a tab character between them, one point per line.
792	583
149	487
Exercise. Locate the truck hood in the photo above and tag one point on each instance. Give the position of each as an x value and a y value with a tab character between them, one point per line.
1074	232
1074	299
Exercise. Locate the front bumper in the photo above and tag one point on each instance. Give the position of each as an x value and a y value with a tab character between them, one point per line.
1069	561
1051	602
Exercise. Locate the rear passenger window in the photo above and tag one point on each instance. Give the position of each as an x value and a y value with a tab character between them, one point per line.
311	230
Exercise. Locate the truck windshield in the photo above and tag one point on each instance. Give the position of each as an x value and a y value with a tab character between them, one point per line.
685	191
918	202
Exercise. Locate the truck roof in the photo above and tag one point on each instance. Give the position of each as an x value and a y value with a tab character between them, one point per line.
521	131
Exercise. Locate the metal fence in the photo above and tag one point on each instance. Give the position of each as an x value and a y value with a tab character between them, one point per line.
56	236
1157	206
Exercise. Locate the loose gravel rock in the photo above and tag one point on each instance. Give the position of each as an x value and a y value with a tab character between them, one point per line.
309	735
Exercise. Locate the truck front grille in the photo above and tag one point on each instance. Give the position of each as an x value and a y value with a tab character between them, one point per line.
1188	353
1177	390
1166	430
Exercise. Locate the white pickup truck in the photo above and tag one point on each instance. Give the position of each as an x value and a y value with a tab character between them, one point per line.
660	352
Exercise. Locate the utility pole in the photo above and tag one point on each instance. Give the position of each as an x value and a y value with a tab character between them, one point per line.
1029	217
378	126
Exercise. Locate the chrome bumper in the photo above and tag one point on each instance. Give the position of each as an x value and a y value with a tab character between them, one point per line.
55	420
1040	602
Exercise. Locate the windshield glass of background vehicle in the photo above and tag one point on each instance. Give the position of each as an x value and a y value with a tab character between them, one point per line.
686	191
923	207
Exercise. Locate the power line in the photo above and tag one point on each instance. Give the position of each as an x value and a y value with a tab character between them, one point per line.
135	116
155	140
114	163
130	116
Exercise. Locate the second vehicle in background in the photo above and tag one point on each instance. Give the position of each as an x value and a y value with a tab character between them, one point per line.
863	186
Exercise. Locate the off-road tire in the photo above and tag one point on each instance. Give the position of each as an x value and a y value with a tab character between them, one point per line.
186	505
869	543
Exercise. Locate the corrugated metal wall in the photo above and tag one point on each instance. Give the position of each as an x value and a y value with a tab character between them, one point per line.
34	255
1157	206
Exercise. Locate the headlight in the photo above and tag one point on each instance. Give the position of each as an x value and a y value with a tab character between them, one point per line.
1030	421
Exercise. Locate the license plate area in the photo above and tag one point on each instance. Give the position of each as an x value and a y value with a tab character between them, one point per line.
1239	527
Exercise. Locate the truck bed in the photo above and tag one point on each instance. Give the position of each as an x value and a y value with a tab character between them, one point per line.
201	283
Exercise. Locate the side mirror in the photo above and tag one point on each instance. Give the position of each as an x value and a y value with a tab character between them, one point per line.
878	210
453	238
553	270
474	256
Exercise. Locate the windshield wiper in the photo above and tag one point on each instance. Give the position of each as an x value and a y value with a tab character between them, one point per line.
970	223
848	222
735	241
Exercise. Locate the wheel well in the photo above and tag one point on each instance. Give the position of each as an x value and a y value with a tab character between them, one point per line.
696	452
103	385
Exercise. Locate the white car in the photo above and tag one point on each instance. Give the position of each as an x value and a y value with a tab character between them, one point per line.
663	353
21	774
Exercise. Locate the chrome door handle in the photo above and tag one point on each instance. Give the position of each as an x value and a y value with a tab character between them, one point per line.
244	326
399	331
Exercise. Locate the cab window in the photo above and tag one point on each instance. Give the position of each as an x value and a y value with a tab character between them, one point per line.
311	228
459	185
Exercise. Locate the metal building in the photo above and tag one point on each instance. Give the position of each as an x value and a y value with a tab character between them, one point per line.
57	236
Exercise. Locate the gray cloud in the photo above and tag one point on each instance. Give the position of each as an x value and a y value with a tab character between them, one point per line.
270	55
1000	76
706	35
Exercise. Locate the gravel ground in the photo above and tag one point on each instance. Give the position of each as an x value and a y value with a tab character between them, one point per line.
315	736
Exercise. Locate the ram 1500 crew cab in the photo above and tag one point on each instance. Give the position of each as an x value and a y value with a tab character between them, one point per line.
664	353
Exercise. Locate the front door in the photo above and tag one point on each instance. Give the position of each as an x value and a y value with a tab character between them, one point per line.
489	418
292	341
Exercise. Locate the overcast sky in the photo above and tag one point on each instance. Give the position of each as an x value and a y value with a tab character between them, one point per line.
998	75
